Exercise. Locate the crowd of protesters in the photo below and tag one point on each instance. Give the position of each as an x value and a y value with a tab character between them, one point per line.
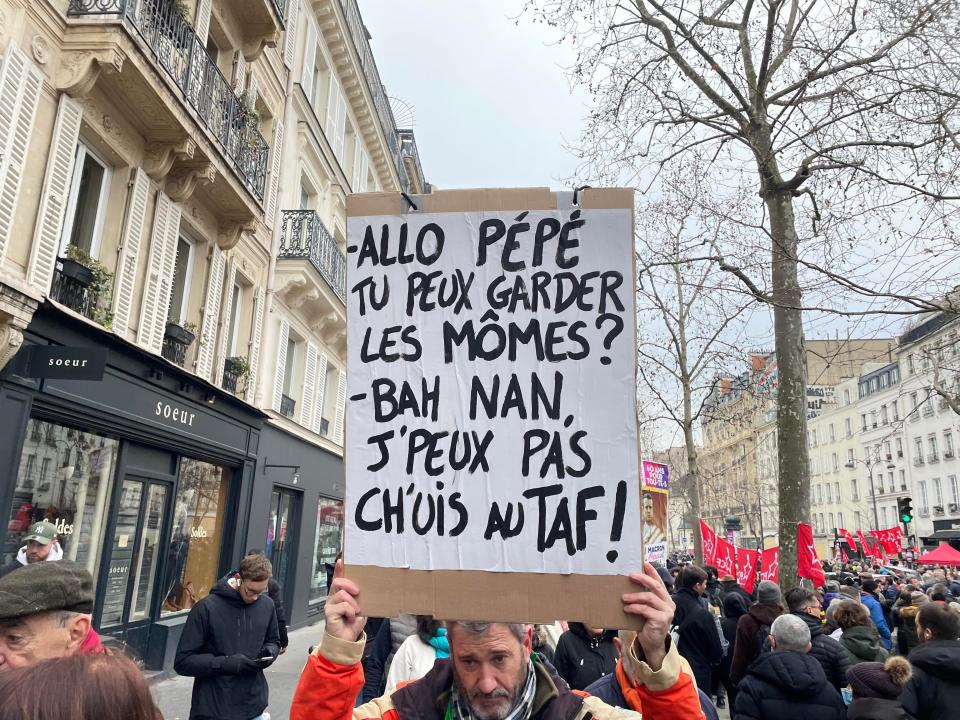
870	644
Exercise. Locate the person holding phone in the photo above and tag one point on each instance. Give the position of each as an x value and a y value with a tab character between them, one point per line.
230	638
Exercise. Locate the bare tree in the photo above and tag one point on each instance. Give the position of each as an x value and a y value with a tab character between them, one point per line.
841	115
687	328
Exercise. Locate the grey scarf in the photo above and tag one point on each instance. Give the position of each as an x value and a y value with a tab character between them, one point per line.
458	709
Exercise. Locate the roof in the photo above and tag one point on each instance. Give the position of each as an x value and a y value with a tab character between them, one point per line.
927	327
943	555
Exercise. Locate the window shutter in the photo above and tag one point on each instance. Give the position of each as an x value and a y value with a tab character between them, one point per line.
20	85
364	172
290	39
309	60
282	337
239	71
308	404
227	305
211	314
276	157
203	20
163	258
130	253
53	202
256	336
341	407
333	103
321	384
357	162
339	131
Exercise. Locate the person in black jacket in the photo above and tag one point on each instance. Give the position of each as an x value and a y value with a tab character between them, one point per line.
805	604
230	637
699	642
275	593
787	683
585	654
729	584
934	690
734	607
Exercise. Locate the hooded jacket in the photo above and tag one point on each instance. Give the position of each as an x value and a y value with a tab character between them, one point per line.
862	645
933	693
876	709
876	614
222	638
581	659
699	641
907	629
333	676
787	686
746	649
828	652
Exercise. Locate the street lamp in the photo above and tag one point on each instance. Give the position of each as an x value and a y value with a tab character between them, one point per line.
870	465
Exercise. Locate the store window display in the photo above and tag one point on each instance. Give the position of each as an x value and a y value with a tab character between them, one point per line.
326	545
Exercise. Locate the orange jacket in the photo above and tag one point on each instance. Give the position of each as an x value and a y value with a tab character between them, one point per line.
332	678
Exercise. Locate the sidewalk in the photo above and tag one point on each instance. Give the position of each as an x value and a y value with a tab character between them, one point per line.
173	694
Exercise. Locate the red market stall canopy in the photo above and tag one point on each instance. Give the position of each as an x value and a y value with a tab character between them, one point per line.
943	555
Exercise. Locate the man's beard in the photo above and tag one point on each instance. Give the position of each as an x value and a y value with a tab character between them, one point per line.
508	698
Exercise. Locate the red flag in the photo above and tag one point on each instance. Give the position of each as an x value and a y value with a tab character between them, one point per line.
770	564
864	545
848	537
843	554
808	564
889	539
709	538
726	558
747	568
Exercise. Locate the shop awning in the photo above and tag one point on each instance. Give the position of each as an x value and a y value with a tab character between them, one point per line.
943	555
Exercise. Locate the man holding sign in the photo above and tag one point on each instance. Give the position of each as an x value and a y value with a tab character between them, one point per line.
491	674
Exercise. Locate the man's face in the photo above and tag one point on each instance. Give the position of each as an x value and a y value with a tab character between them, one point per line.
647	508
250	590
38	552
490	669
28	640
813	609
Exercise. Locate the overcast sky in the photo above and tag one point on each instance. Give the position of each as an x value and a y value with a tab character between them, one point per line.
492	101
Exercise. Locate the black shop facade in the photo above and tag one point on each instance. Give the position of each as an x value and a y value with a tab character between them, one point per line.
147	471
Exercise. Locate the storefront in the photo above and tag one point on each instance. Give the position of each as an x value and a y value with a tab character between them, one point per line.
297	518
147	472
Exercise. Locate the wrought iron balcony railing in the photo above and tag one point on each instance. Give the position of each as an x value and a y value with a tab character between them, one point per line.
358	33
72	288
408	148
288	406
177	49
304	236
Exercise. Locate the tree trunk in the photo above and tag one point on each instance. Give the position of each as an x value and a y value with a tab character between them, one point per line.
792	461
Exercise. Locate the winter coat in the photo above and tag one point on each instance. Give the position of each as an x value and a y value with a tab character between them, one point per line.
876	614
907	638
933	693
749	644
412	661
862	645
221	638
734	587
581	659
376	663
876	709
609	690
828	652
275	594
332	677
699	641
55	554
787	686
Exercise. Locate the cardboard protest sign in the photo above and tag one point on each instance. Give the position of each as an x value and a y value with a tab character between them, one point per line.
655	481
491	452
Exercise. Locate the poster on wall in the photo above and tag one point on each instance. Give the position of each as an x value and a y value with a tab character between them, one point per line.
654	489
491	447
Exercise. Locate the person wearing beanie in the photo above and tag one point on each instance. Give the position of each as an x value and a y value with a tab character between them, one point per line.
876	689
753	629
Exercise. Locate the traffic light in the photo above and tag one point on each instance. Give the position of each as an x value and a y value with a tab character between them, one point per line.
905	509
732	522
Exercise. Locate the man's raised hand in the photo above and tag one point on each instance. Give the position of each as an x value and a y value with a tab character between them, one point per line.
656	607
342	611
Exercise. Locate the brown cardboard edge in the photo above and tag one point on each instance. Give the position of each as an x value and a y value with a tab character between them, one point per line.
495	597
607	199
381	203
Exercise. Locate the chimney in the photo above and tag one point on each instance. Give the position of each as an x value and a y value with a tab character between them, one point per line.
726	385
758	363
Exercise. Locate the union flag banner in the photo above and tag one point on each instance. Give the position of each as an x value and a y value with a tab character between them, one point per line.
726	558
848	537
770	564
808	563
709	538
747	568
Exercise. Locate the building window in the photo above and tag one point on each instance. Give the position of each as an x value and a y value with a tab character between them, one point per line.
846	397
895	406
74	496
819	495
840	519
835	461
863	422
86	203
836	488
289	367
883	515
326	545
924	505
918	449
890	486
937	492
199	515
954	490
854	490
858	519
932	443
180	289
832	523
849	427
913	402
236	303
884	418
829	494
899	445
903	479
886	450
833	433
873	418
947	444
911	364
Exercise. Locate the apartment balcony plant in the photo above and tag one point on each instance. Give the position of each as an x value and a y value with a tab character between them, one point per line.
235	371
84	285
177	338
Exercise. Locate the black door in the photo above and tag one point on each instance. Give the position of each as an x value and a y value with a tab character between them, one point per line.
136	553
281	545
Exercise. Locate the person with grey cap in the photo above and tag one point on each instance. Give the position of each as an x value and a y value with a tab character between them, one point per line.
787	683
40	545
45	613
754	628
